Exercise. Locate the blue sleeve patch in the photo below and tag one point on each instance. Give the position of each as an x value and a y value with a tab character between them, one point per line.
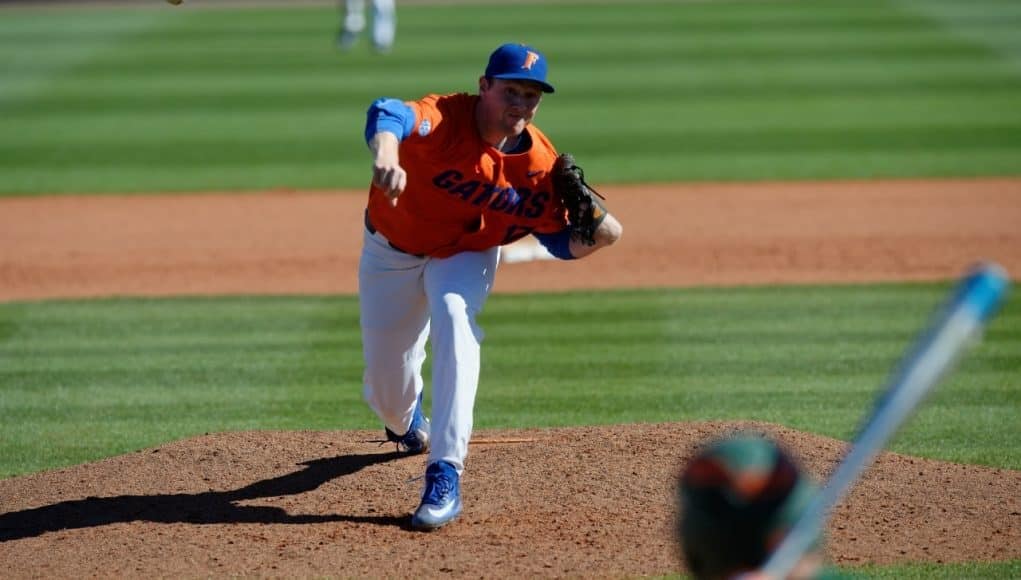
390	115
558	244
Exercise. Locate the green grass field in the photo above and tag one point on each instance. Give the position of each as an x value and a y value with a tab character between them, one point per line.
193	98
148	99
88	379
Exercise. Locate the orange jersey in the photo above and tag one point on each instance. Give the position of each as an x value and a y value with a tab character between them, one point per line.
462	194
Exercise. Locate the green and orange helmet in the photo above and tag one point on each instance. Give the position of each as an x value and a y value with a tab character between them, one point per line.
738	497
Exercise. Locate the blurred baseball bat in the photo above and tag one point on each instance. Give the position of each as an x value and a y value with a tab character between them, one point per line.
954	326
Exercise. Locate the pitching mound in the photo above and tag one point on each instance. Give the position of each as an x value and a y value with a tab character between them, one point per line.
555	502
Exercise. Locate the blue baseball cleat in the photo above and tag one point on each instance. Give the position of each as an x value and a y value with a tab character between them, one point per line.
416	440
441	500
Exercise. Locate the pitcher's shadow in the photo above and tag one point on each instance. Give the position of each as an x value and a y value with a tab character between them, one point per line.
213	507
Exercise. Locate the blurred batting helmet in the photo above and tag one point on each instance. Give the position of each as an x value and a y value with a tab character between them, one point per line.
739	497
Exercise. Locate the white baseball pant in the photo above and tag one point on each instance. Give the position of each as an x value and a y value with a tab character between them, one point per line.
406	300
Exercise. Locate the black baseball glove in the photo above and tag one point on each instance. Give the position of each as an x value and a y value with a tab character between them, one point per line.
584	210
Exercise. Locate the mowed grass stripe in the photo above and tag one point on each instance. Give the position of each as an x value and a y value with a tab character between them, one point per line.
714	50
842	84
320	120
322	149
634	167
910	33
677	84
641	167
116	375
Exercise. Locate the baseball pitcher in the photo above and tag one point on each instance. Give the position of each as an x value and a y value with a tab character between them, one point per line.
455	177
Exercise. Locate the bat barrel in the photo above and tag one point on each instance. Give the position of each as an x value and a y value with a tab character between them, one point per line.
956	324
983	290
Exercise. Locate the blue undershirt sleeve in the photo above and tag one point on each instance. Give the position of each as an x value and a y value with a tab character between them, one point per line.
558	244
390	115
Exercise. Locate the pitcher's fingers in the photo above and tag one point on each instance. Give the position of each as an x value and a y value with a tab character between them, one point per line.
401	182
396	180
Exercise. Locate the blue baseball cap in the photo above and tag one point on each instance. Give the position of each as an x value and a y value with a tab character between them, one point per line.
518	62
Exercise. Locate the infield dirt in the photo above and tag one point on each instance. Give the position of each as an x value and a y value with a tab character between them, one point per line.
585	501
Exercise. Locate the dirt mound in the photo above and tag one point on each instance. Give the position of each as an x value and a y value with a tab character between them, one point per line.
538	503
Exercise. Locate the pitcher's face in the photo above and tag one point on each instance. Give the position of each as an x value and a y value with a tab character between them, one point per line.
507	106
